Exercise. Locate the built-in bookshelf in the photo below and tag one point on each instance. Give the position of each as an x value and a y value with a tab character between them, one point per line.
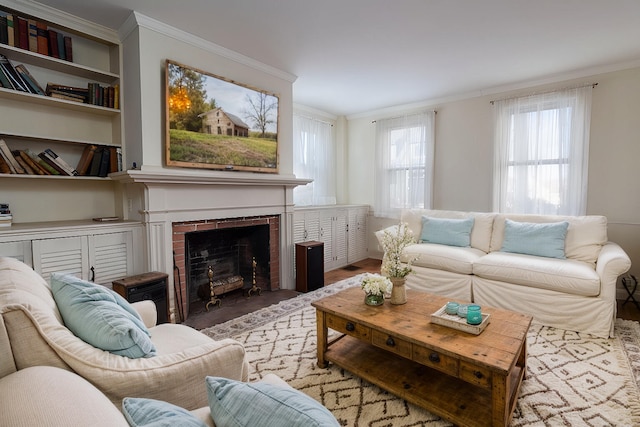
37	122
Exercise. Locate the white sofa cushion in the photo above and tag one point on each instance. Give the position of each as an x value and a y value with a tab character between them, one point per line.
585	236
449	258
562	275
480	233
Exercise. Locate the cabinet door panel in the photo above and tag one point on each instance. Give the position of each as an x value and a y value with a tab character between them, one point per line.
20	250
340	238
110	257
67	255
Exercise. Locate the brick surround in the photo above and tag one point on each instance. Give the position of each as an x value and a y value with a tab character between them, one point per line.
180	229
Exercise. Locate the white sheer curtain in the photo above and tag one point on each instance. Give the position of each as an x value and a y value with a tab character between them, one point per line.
404	163
314	158
542	153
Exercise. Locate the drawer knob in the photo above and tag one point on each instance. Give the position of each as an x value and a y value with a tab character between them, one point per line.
434	357
478	374
351	327
390	342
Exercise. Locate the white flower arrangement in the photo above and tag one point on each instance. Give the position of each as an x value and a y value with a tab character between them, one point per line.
393	243
375	284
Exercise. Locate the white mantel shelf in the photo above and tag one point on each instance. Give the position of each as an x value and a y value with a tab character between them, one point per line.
195	178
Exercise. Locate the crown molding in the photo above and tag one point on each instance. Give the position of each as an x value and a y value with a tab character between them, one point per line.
137	19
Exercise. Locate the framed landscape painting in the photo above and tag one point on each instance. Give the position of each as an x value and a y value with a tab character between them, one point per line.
216	123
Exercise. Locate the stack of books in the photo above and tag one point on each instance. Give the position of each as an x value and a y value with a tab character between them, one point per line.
5	215
35	36
27	162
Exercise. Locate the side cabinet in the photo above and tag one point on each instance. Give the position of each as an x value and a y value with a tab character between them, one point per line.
341	228
97	253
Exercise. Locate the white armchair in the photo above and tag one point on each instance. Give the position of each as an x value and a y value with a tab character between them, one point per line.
32	333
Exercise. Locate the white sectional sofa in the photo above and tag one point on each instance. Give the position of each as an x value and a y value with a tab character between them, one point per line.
575	291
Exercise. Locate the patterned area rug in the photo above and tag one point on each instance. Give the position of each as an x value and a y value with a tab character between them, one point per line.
572	379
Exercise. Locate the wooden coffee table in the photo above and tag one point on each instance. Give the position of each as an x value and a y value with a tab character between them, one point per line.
469	380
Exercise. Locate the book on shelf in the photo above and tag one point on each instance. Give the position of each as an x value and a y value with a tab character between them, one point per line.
21	162
105	162
52	35
43	38
52	163
60	40
33	35
12	75
35	167
29	79
115	159
8	157
60	162
4	33
68	48
84	164
4	166
22	33
4	80
42	163
11	31
69	93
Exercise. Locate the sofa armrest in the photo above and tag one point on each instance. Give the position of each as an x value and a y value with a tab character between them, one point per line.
612	262
147	311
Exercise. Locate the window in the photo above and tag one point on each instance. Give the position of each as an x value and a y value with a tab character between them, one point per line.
314	158
404	163
542	153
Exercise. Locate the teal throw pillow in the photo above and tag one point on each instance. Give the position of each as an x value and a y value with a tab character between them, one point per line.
101	317
543	239
237	404
446	231
141	412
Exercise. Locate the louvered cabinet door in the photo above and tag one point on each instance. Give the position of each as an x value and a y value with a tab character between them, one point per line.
110	256
63	255
100	258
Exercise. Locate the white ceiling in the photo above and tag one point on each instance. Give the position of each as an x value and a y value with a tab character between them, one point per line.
353	56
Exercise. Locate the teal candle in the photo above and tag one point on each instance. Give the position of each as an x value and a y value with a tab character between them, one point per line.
452	308
474	315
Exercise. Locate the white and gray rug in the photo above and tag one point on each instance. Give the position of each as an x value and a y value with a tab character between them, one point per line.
572	379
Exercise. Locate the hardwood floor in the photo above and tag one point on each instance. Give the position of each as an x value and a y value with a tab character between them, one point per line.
237	303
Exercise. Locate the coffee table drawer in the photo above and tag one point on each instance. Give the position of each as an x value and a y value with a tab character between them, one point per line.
348	327
475	374
433	359
391	343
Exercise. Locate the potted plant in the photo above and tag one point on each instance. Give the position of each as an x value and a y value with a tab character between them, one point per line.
375	287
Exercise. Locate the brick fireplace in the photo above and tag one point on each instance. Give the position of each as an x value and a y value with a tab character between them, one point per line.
172	203
228	245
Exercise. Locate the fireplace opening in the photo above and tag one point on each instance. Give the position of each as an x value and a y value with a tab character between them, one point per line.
236	256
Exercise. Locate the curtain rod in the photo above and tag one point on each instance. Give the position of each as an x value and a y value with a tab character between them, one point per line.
314	119
399	117
545	91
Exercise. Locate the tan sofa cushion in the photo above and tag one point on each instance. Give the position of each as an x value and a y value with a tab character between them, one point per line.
47	396
585	236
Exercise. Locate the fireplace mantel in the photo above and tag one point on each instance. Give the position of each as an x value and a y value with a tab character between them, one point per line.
168	176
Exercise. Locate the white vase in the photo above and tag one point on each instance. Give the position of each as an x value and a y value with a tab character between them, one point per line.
398	292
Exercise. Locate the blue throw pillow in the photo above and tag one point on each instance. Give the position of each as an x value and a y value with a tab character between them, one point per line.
101	317
141	412
446	231
238	404
544	239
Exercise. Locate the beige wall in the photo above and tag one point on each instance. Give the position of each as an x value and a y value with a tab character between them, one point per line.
464	155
